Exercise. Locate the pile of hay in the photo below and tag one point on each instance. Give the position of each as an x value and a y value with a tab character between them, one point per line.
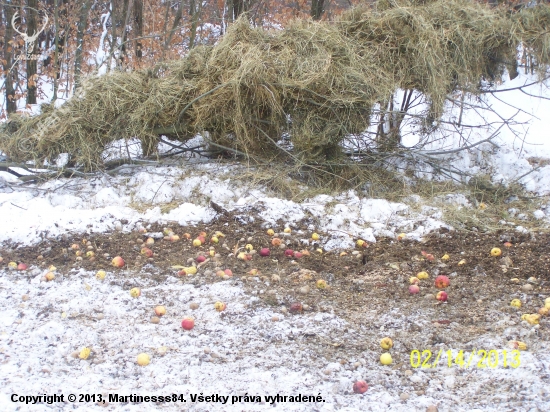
318	81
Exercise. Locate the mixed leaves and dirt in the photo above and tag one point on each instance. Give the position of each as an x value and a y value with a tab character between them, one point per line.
335	329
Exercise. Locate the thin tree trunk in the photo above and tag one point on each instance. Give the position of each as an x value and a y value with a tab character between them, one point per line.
127	12
317	9
138	20
11	103
56	50
175	24
114	40
81	30
194	15
31	63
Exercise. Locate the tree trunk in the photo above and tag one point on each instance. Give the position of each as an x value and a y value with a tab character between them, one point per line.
31	63
175	24
317	9
81	30
236	8
194	16
138	20
11	103
56	50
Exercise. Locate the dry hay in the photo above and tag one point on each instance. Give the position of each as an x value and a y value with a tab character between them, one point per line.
318	81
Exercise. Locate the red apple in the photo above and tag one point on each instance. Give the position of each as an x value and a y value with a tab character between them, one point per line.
298	255
264	251
360	387
429	257
289	252
441	296
187	323
117	262
276	241
442	281
22	266
414	289
147	252
296	307
228	272
202	239
200	259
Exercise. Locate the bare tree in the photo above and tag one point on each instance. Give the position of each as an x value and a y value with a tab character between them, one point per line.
138	21
81	30
317	9
9	64
32	14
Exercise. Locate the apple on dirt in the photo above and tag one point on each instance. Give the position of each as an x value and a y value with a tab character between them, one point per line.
49	276
414	280
265	252
100	274
22	266
296	307
414	289
422	275
160	310
200	259
270	232
150	241
276	241
214	239
188	323
429	257
442	282
360	387
386	359
386	343
496	252
197	242
321	284
143	359
135	292
12	265
297	255
117	262
146	252
220	306
289	253
441	296
362	243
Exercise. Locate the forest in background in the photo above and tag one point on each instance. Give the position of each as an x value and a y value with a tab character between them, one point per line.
93	36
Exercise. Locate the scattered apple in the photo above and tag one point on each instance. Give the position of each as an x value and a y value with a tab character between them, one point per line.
429	257
296	307
143	359
173	238
52	268
146	252
441	296
289	253
187	236
135	292
516	303
298	255
117	262
445	257
414	280
150	241
84	353
507	244
343	254
319	250
191	270
160	310
202	234
202	239
228	272
543	311
253	272
533	319
22	266
75	246
287	230
495	252
321	284
219	234
78	253
270	232
265	251
50	276
360	387
462	262
482	206
386	343
362	243
422	275
516	344
188	323
214	239
100	274
414	289
197	242
315	236
276	241
442	282
547	303
249	247
220	306
220	273
12	265
386	359
200	259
